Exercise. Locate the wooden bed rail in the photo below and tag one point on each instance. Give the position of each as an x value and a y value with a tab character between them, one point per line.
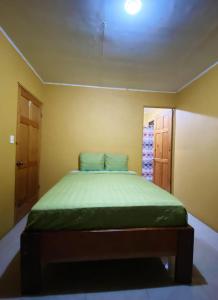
40	248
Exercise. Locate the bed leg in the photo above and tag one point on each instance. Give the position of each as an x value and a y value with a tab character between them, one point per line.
31	266
184	256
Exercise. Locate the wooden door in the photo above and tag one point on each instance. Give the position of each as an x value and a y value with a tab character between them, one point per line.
163	149
27	153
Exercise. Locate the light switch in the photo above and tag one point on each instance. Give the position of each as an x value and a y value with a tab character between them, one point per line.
11	139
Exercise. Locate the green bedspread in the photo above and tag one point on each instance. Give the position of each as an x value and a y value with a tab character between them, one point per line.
101	200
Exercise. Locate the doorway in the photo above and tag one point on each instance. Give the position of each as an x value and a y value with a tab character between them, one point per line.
27	152
157	146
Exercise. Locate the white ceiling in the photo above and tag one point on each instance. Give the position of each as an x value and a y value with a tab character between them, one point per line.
94	42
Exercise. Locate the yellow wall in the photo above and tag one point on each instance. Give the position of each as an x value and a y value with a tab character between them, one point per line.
196	148
12	70
86	119
150	115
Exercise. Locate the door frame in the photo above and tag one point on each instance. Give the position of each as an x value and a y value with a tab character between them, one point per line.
38	103
172	156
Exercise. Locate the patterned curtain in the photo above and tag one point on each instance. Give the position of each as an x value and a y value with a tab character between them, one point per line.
147	152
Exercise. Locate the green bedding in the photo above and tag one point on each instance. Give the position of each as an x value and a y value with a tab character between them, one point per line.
102	200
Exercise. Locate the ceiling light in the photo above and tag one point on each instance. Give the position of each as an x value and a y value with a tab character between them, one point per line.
132	7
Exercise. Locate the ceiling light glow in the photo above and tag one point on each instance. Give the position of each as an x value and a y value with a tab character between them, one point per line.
132	7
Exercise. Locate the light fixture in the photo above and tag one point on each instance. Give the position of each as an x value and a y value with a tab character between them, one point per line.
132	7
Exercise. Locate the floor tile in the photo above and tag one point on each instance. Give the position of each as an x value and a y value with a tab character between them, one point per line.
119	295
178	293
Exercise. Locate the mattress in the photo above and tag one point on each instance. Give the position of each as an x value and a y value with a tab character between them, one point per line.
105	200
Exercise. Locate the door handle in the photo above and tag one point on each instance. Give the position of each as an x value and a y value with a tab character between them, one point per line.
19	163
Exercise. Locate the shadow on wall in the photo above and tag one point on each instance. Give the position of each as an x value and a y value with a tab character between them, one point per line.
196	128
196	163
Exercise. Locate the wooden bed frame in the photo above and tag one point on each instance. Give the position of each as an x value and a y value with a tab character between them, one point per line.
42	247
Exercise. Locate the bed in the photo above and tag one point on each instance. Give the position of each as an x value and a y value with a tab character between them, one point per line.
104	215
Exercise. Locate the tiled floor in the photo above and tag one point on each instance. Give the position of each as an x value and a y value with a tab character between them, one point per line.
134	279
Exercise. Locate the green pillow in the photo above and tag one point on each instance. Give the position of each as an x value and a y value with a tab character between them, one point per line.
116	162
91	161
